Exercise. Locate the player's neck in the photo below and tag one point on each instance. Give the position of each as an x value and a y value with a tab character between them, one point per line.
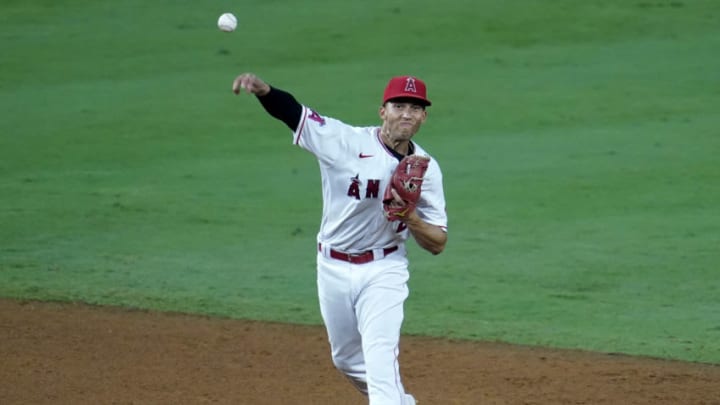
401	146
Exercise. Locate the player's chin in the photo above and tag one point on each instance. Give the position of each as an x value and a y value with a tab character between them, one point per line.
407	131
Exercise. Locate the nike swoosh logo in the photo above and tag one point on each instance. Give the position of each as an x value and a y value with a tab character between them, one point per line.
364	156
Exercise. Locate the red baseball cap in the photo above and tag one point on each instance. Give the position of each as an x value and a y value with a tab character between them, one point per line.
406	87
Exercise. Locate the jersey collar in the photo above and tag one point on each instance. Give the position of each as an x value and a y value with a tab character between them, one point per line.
396	154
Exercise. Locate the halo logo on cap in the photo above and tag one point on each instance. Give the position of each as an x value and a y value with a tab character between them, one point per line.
410	85
406	87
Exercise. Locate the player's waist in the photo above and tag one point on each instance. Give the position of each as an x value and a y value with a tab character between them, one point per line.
363	257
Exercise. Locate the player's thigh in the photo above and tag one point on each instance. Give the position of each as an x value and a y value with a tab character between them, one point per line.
380	306
336	300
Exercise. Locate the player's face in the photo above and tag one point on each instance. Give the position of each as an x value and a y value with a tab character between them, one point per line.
402	119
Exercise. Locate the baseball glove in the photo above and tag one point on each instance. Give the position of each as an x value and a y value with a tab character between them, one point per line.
406	181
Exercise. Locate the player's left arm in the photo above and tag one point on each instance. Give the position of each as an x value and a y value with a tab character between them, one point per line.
430	237
428	223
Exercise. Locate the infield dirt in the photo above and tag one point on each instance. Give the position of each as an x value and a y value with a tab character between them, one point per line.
56	353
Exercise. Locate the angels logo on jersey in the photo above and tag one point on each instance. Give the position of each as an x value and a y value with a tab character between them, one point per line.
316	117
372	189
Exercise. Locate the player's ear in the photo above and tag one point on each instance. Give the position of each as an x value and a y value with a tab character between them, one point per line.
382	112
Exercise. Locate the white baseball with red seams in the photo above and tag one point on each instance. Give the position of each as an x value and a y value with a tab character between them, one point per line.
227	22
367	298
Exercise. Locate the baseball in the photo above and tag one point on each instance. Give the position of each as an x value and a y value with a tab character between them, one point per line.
227	22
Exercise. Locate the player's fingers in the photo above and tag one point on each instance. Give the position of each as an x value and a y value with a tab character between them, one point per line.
244	81
250	84
237	84
253	86
397	197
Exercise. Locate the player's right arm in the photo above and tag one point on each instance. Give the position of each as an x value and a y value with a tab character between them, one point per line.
322	136
278	103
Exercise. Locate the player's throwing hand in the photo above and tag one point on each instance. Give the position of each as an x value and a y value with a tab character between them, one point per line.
251	83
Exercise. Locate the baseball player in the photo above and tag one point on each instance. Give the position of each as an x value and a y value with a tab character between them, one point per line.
378	187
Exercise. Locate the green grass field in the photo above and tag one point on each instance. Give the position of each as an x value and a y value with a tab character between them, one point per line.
579	140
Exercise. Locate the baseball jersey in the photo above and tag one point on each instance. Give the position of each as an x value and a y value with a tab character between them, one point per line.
355	168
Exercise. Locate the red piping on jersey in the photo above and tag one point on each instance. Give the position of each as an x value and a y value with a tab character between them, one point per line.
377	134
391	152
301	126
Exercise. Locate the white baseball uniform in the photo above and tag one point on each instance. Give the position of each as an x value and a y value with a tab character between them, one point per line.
362	268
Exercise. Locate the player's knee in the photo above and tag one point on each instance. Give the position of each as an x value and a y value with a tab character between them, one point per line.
344	359
359	383
354	373
343	365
